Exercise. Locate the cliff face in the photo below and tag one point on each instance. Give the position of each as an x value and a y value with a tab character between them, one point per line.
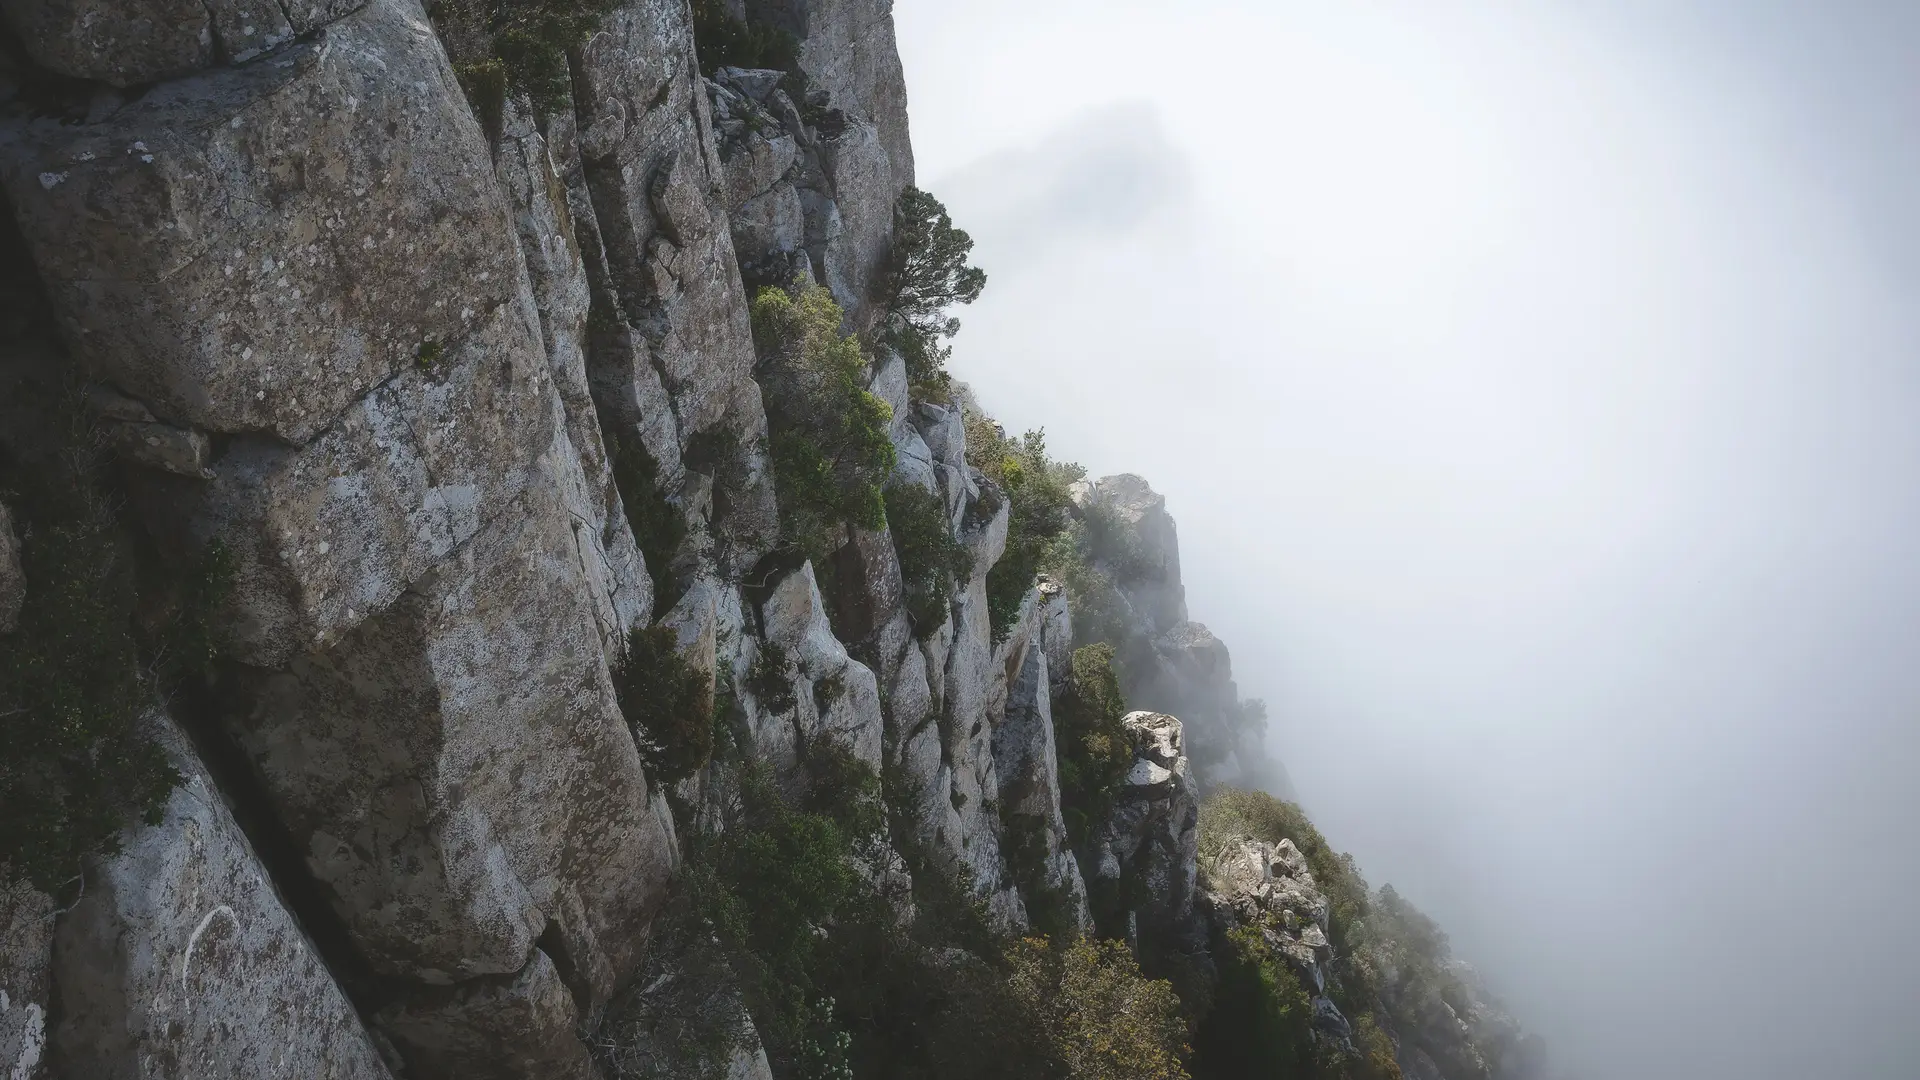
463	398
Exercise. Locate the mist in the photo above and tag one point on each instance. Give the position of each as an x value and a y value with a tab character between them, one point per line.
1538	394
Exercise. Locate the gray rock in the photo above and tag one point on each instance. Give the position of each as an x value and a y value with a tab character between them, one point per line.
1142	513
755	83
865	189
1028	771
1270	886
562	296
767	225
331	532
493	1029
795	618
13	582
213	248
180	960
890	385
653	173
26	952
417	760
753	164
1152	830
181	451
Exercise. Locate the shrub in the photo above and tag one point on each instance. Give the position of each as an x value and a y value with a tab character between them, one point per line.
827	434
1262	1018
926	273
1102	1019
931	560
770	679
1039	512
1094	748
667	701
73	688
502	46
658	525
1230	811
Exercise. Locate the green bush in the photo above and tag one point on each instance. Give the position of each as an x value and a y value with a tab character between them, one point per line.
770	679
1093	746
1040	510
1230	811
827	434
926	274
503	46
1262	1018
74	683
658	526
1101	1018
931	560
1257	1015
667	702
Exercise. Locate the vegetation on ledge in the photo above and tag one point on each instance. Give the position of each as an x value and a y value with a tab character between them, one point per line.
926	274
827	434
931	560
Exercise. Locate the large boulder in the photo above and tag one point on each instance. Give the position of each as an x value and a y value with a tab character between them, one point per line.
255	249
418	761
830	696
180	961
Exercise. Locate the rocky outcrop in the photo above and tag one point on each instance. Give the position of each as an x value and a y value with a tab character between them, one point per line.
1269	888
1168	662
1147	846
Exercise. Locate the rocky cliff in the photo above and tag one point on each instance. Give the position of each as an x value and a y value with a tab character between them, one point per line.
385	387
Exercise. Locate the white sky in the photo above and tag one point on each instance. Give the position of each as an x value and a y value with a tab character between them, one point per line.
1539	399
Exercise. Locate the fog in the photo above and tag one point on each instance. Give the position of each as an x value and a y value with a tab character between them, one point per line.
1537	392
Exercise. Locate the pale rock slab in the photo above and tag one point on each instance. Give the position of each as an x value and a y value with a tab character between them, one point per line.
180	961
459	773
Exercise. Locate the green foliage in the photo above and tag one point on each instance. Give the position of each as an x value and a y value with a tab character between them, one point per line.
1026	846
839	987
771	678
667	701
1258	1015
1229	812
1040	510
502	46
1101	1019
827	434
926	274
658	525
720	40
1262	1019
1093	746
73	688
931	560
